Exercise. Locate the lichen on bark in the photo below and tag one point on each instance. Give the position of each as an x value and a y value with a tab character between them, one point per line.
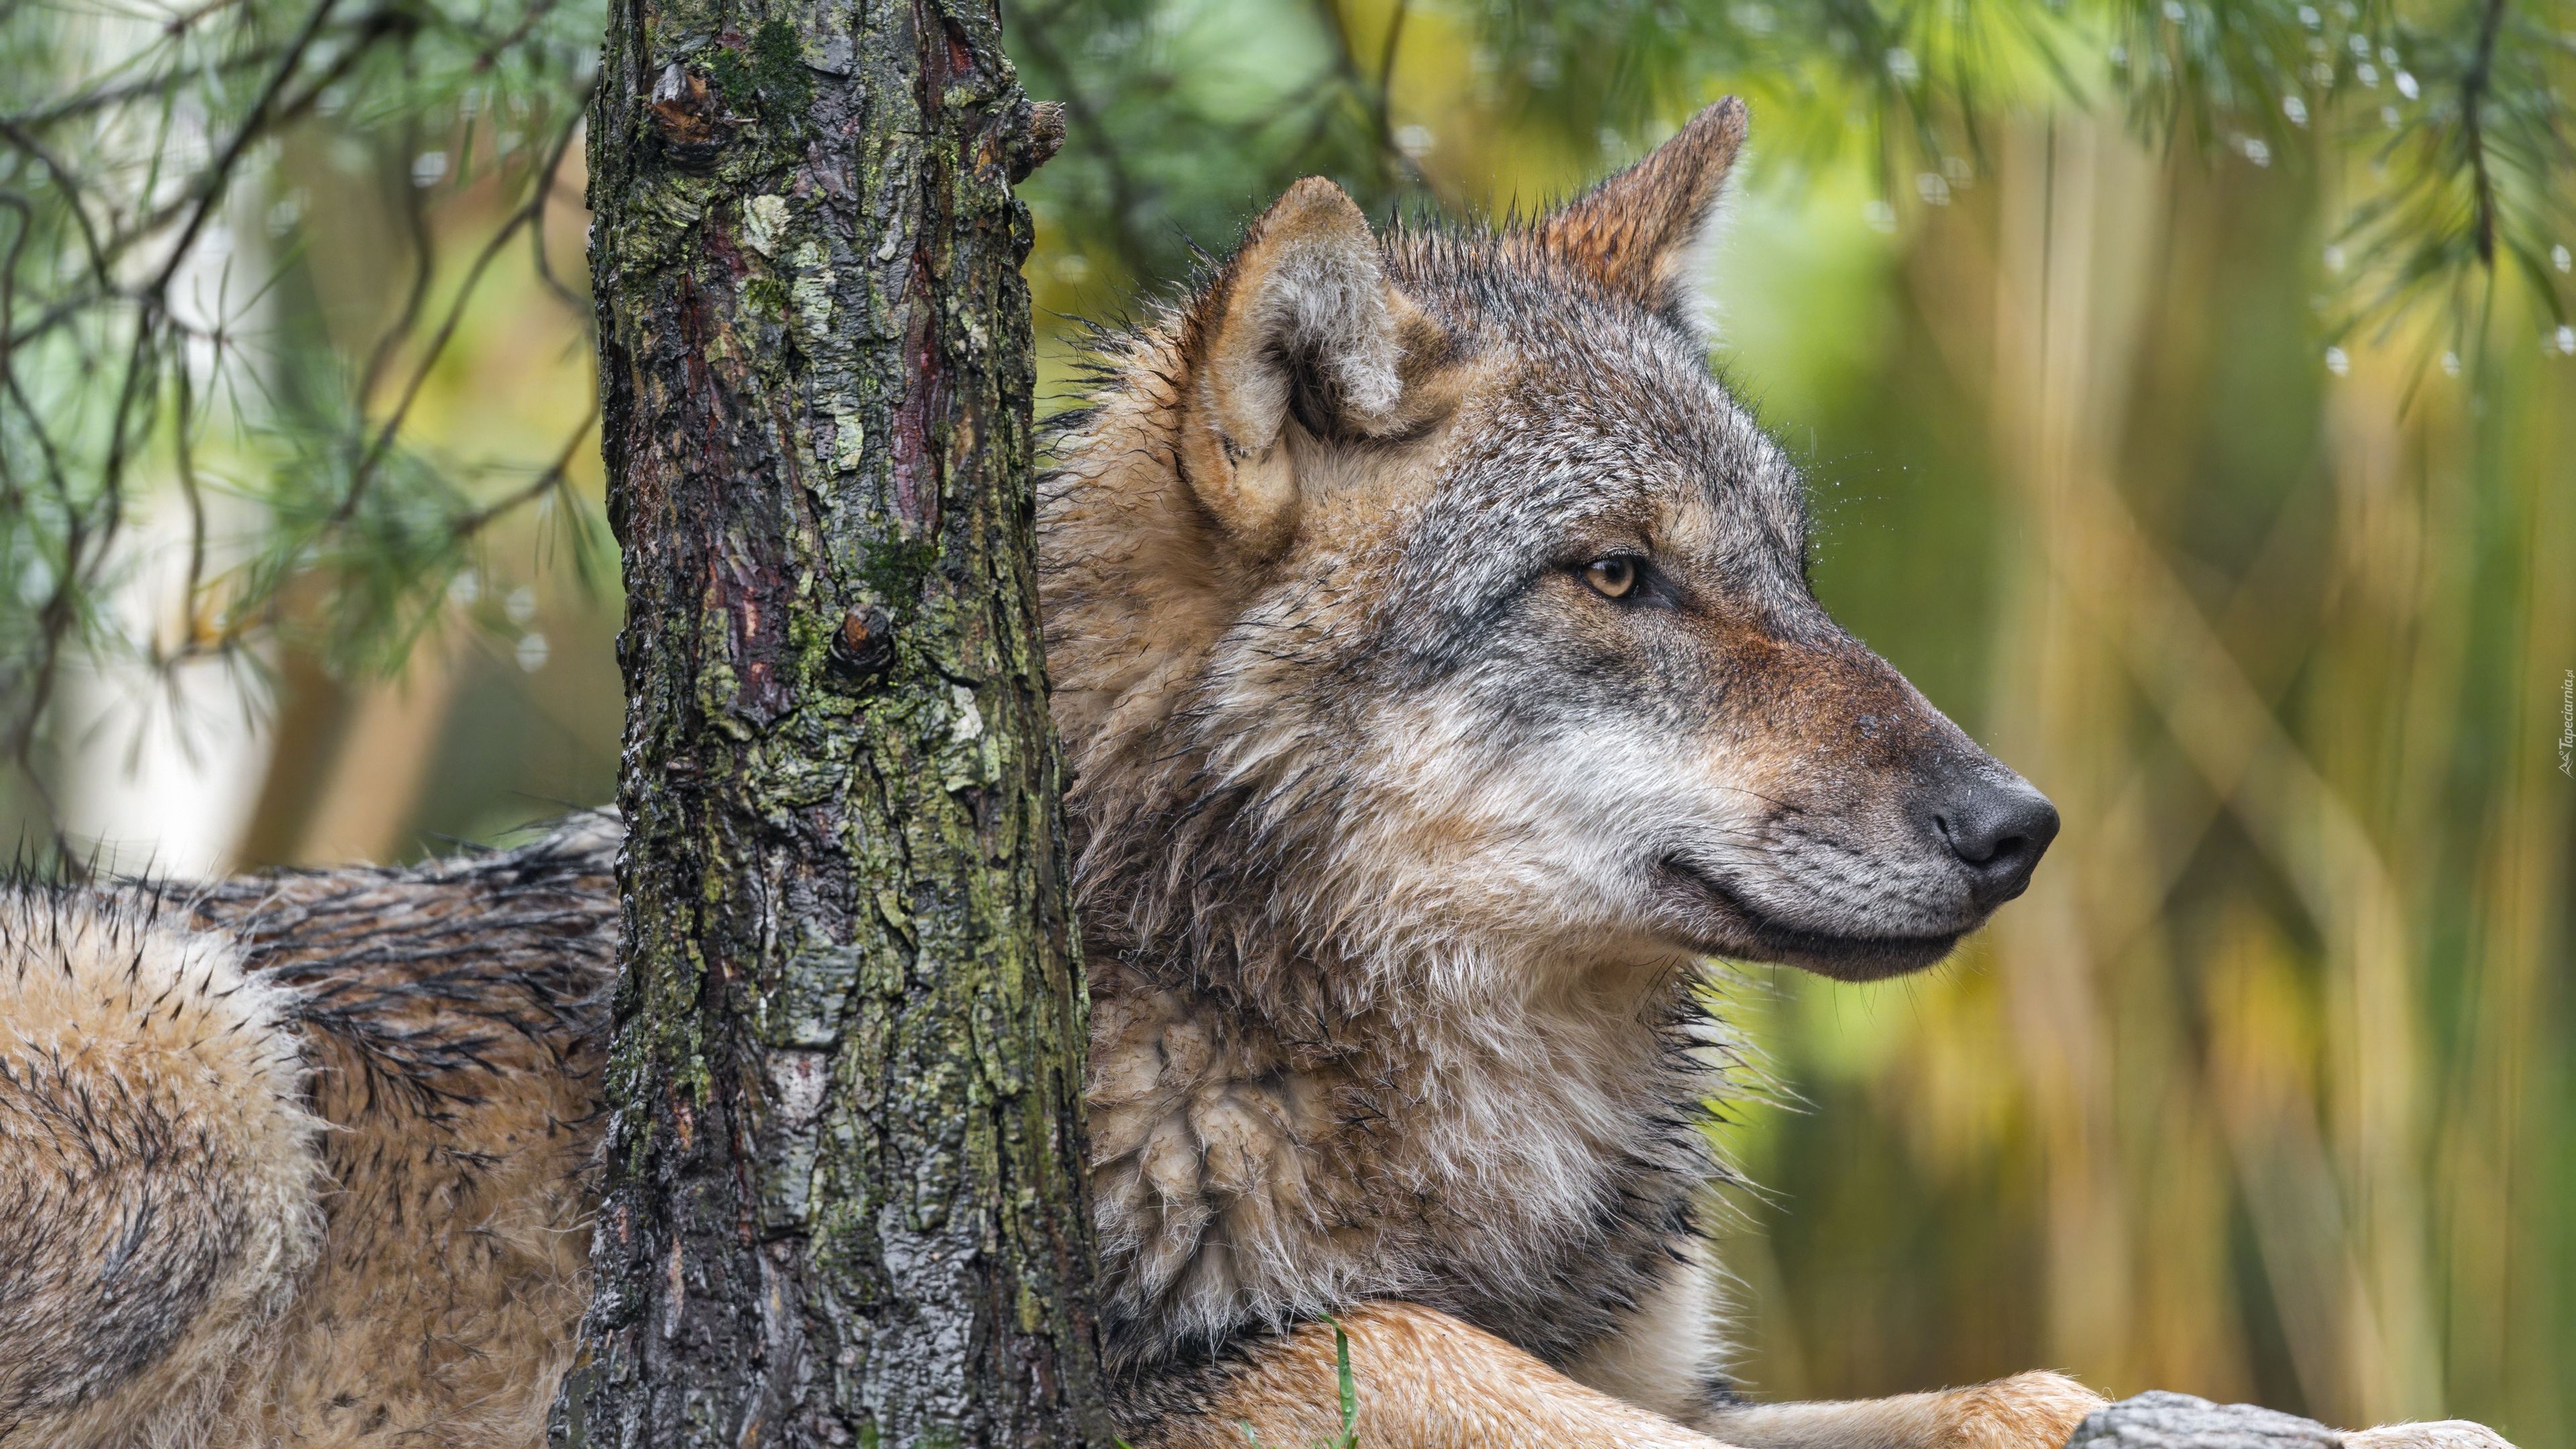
844	1203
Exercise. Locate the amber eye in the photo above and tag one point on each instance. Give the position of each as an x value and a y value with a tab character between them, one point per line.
1611	577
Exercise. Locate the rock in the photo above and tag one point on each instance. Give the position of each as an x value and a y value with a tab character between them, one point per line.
2161	1420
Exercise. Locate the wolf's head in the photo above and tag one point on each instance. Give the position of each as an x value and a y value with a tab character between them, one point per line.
1428	592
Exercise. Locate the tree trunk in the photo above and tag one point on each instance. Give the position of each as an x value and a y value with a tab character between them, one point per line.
844	1193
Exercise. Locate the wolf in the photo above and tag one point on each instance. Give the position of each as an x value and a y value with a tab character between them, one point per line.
1432	640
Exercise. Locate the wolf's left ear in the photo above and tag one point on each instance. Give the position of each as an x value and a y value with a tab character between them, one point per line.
1302	329
1640	231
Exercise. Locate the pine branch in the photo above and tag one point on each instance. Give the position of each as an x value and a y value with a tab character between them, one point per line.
2473	93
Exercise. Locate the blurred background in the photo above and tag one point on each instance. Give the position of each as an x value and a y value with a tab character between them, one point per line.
2188	407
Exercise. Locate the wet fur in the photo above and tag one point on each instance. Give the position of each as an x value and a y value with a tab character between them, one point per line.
303	1159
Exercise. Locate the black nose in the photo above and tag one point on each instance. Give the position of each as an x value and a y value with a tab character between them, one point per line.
1998	829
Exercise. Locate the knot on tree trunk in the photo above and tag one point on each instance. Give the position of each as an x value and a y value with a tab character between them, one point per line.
1044	137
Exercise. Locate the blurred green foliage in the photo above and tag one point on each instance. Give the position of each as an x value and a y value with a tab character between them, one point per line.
2184	389
1184	114
167	349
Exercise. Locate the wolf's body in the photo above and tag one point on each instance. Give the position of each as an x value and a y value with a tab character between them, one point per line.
1431	638
301	1160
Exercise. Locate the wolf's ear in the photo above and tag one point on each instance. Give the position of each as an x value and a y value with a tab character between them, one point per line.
1640	230
1302	328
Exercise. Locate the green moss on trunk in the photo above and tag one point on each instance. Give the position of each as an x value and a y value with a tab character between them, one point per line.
845	1202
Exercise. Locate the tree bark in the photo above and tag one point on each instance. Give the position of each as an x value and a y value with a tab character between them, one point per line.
844	1198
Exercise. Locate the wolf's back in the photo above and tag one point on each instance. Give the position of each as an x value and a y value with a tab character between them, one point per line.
159	1170
300	1159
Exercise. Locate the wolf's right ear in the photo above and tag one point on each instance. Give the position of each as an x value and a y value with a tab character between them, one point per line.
1301	329
1641	231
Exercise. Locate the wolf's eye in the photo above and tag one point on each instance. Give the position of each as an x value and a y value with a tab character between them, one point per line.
1611	577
